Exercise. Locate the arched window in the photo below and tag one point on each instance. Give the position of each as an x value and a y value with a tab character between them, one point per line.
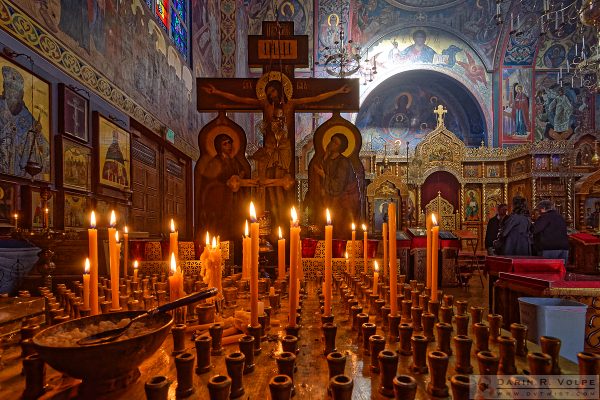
174	18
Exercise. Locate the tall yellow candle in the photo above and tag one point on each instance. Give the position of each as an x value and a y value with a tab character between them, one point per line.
254	235
435	234
93	255
118	255
428	225
246	252
86	284
392	255
125	251
365	248
328	272
385	250
280	256
352	251
216	261
114	267
135	271
174	240
175	280
294	243
375	276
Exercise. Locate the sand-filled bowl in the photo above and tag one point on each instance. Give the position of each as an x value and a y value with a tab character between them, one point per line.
104	361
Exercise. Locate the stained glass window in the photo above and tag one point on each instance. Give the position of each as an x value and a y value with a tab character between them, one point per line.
174	19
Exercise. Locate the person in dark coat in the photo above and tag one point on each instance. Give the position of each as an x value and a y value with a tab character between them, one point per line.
515	230
550	233
493	227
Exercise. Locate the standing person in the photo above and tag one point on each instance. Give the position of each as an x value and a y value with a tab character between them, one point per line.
550	233
493	228
514	238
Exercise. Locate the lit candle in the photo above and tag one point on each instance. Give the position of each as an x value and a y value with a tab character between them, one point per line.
375	276
114	267
46	214
352	251
173	240
125	251
435	233
86	284
365	248
254	235
428	254
215	259
246	253
294	242
392	255
175	280
347	263
281	256
385	250
93	255
328	272
16	221
135	271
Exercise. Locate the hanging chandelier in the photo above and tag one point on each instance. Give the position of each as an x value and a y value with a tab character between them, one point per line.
341	57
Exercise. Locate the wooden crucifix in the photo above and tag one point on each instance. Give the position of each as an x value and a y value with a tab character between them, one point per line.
279	96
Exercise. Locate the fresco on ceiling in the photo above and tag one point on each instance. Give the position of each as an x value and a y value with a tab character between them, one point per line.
561	44
438	49
472	19
516	126
520	49
205	38
299	11
123	41
401	111
561	111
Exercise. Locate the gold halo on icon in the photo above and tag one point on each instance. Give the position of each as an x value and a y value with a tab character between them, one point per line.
264	80
344	130
217	130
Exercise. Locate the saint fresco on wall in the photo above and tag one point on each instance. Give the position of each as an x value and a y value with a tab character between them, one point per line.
560	109
516	105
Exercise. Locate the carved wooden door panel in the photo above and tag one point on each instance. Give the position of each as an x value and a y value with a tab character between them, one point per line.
146	209
175	190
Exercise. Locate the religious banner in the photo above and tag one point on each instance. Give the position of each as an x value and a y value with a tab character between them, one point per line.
24	121
336	177
113	154
221	177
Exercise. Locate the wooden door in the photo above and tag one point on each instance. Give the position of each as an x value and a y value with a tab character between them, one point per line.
146	209
175	173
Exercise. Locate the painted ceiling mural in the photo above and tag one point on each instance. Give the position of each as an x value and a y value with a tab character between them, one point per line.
106	33
401	111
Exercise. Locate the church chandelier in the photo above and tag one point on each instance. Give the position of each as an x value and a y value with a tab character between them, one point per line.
583	67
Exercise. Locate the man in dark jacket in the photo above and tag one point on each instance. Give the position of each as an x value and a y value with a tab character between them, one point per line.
493	227
550	233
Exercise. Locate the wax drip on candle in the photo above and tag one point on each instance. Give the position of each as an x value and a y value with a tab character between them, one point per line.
113	219
86	268
328	214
